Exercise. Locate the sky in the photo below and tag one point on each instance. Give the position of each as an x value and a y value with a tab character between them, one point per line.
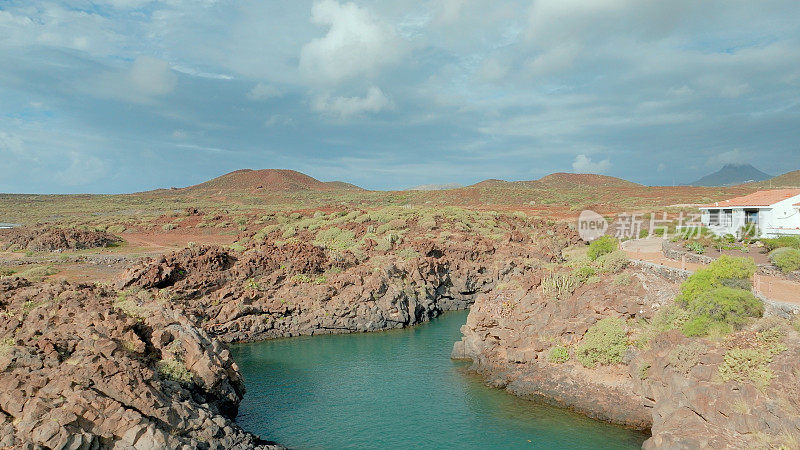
113	96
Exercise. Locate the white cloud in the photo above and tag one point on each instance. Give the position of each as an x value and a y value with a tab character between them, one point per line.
345	107
152	76
357	44
145	79
263	91
735	156
584	164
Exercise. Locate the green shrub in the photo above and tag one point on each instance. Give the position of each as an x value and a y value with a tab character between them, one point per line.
613	262
727	305
408	253
559	286
697	326
696	247
783	241
336	238
168	226
604	343
174	370
787	259
746	364
6	345
726	270
585	272
558	355
601	246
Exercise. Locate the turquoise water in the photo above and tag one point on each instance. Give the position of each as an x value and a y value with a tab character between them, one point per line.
397	389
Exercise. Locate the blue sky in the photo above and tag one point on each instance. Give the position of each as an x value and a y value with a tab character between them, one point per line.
129	95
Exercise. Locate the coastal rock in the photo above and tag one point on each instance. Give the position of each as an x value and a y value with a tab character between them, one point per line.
81	367
671	385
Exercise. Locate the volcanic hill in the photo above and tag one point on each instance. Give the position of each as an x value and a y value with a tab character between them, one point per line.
267	180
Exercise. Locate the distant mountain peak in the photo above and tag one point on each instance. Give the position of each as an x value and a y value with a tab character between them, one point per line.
732	174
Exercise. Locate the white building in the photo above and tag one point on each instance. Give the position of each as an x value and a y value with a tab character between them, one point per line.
775	212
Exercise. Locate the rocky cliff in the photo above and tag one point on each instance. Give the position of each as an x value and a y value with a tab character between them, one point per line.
734	391
81	367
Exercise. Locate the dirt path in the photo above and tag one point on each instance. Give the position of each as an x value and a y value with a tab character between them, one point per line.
773	288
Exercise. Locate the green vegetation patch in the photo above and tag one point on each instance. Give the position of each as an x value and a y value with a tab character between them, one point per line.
558	354
718	298
786	258
6	345
783	241
604	343
38	273
336	238
560	286
171	369
601	246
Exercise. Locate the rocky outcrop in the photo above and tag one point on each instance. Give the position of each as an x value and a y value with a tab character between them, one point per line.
51	239
302	289
81	367
508	336
691	393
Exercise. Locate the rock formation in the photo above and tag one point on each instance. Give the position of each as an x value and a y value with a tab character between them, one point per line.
691	393
81	367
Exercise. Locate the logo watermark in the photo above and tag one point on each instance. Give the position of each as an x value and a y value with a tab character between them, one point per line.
591	225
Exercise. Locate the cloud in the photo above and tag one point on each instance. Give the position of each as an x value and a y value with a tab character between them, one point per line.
152	76
357	44
263	91
145	79
584	164
346	107
735	156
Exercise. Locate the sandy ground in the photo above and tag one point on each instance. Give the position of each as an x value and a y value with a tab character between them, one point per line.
771	287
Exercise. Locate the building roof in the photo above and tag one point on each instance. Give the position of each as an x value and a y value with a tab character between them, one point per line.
760	198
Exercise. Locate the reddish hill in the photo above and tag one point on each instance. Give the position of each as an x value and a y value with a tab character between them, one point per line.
268	180
560	181
584	179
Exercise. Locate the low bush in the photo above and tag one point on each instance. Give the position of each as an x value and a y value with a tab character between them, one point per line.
604	343
726	270
695	247
558	355
613	262
786	258
336	238
783	241
726	305
174	370
168	226
559	286
746	364
601	246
